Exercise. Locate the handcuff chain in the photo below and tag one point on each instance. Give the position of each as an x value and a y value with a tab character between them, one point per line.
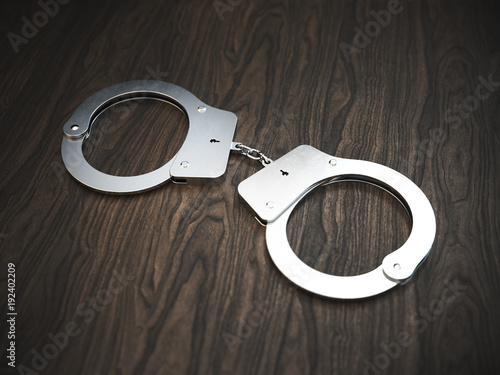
253	154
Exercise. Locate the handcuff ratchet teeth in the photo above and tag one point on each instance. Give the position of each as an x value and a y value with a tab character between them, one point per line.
272	193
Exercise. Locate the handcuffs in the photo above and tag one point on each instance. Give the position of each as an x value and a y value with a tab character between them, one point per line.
272	193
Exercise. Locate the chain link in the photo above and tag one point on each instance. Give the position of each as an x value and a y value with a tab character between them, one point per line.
253	154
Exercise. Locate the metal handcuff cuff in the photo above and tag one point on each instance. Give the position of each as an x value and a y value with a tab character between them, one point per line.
272	193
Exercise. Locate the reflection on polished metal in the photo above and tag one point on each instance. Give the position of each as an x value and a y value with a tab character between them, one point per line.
205	150
273	194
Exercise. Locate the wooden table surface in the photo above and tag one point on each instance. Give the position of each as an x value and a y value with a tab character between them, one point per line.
178	280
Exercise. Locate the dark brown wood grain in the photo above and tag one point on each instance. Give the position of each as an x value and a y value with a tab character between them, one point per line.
178	280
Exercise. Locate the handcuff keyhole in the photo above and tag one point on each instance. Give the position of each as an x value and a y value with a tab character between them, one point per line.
284	173
214	140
